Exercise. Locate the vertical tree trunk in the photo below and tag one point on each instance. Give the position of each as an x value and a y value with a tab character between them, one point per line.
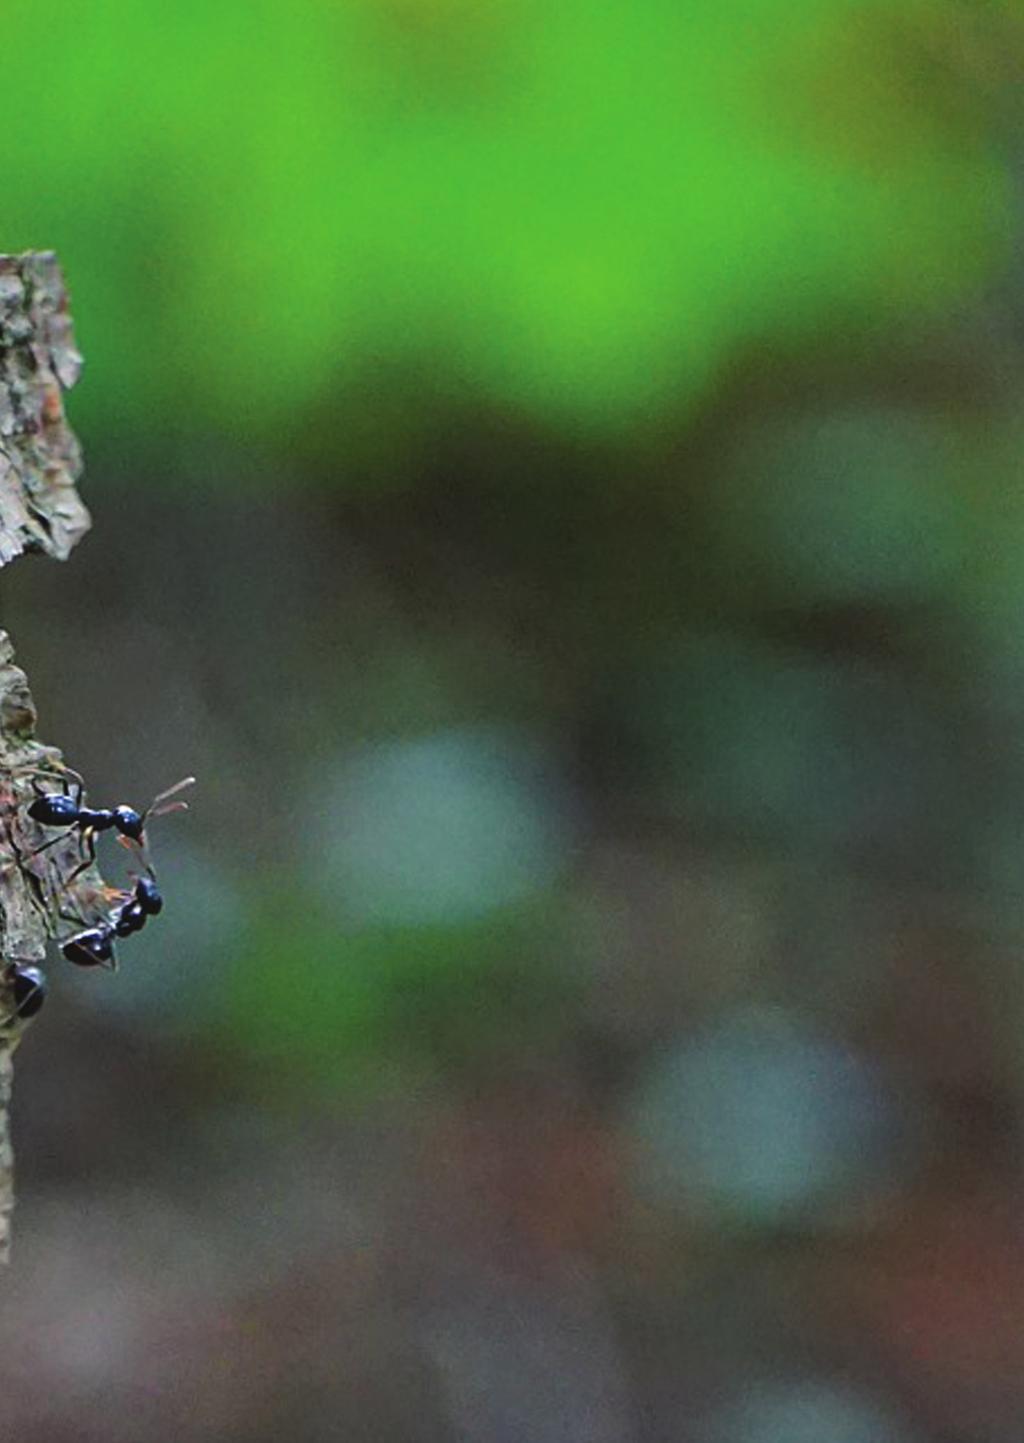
40	510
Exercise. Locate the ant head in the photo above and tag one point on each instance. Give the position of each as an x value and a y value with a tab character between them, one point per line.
147	896
132	824
129	822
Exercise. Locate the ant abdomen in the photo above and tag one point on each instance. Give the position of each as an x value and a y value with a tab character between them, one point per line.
54	810
92	948
28	990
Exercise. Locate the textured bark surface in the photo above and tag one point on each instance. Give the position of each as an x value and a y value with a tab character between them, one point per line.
27	915
40	510
40	459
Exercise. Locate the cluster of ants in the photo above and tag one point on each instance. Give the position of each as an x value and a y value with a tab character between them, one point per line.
121	912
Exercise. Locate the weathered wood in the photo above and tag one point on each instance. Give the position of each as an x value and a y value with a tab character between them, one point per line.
40	510
24	924
40	459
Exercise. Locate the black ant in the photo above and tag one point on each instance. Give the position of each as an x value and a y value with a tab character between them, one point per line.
28	991
95	946
61	809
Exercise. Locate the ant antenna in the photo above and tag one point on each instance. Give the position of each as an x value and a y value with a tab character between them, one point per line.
156	809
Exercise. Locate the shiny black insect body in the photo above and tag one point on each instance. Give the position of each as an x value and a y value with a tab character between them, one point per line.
66	810
130	919
147	896
92	948
57	809
28	991
95	946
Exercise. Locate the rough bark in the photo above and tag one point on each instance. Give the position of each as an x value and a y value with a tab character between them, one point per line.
40	510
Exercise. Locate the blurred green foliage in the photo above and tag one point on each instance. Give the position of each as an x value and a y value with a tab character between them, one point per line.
348	1010
301	210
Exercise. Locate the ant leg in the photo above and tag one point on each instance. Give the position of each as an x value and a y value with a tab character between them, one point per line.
66	774
26	986
79	786
67	779
90	912
45	847
10	1018
89	846
35	885
140	849
77	920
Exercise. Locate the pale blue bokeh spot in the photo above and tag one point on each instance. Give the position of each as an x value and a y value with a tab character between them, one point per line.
442	828
762	1118
807	1411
